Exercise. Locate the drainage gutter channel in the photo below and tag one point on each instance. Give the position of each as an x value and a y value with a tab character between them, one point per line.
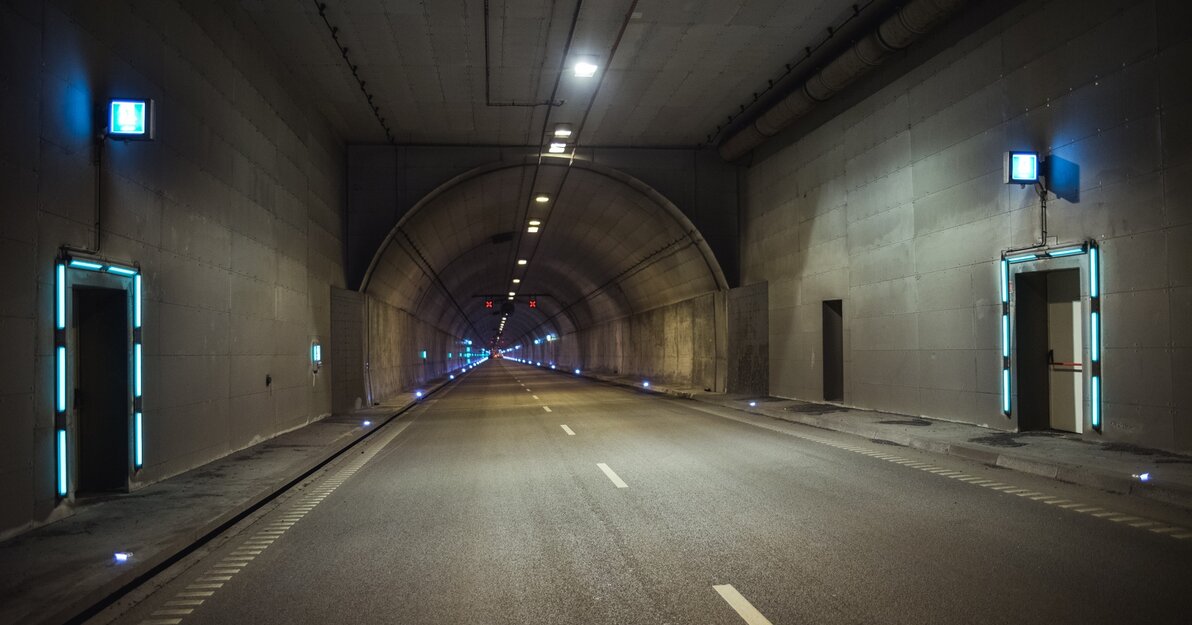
95	601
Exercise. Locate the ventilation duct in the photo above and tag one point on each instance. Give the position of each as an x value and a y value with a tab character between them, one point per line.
912	21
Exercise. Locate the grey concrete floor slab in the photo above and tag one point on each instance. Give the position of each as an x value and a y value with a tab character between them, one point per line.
480	508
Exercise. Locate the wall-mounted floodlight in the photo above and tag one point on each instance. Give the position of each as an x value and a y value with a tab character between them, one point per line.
1021	167
316	356
131	119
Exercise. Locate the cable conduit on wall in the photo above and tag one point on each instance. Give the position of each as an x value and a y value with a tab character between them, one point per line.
899	31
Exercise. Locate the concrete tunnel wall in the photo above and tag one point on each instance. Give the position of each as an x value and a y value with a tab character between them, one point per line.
682	344
896	206
234	214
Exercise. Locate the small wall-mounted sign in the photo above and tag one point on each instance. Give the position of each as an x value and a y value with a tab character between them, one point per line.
1021	167
130	119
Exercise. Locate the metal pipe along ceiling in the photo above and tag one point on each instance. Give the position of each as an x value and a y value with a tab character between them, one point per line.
902	29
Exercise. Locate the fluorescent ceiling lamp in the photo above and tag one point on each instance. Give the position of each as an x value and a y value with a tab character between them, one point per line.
542	198
532	229
517	280
585	69
123	271
511	294
535	222
557	148
522	261
563	131
1022	258
1071	251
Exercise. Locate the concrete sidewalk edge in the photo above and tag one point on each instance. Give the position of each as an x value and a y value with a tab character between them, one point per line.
1060	471
96	600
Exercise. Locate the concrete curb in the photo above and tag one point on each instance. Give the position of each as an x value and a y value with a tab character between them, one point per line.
94	601
1059	471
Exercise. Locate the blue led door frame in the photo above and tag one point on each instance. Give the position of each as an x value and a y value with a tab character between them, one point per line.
1094	321
61	356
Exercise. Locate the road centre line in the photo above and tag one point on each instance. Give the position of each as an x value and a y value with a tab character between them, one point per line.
741	605
610	474
567	430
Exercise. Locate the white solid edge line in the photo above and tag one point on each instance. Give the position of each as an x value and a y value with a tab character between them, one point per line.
739	603
567	430
546	408
612	476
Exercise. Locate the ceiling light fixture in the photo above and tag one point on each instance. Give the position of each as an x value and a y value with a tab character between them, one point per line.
562	131
557	147
585	69
532	229
535	222
542	198
522	261
517	280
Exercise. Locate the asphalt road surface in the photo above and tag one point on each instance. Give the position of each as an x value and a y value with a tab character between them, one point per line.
479	506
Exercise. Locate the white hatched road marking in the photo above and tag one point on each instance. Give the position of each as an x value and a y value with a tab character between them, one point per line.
1158	527
741	605
547	408
210	581
612	475
567	430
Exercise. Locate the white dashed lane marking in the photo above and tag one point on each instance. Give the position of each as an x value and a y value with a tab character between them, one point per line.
567	430
546	408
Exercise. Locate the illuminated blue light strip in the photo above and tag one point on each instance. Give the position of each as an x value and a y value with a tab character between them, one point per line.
138	458
1005	281
122	271
137	370
1094	272
1095	336
60	305
1023	258
1072	251
136	301
1005	336
1095	402
85	264
61	378
61	463
1006	391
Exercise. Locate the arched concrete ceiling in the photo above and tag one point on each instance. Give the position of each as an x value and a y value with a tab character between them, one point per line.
435	68
608	246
